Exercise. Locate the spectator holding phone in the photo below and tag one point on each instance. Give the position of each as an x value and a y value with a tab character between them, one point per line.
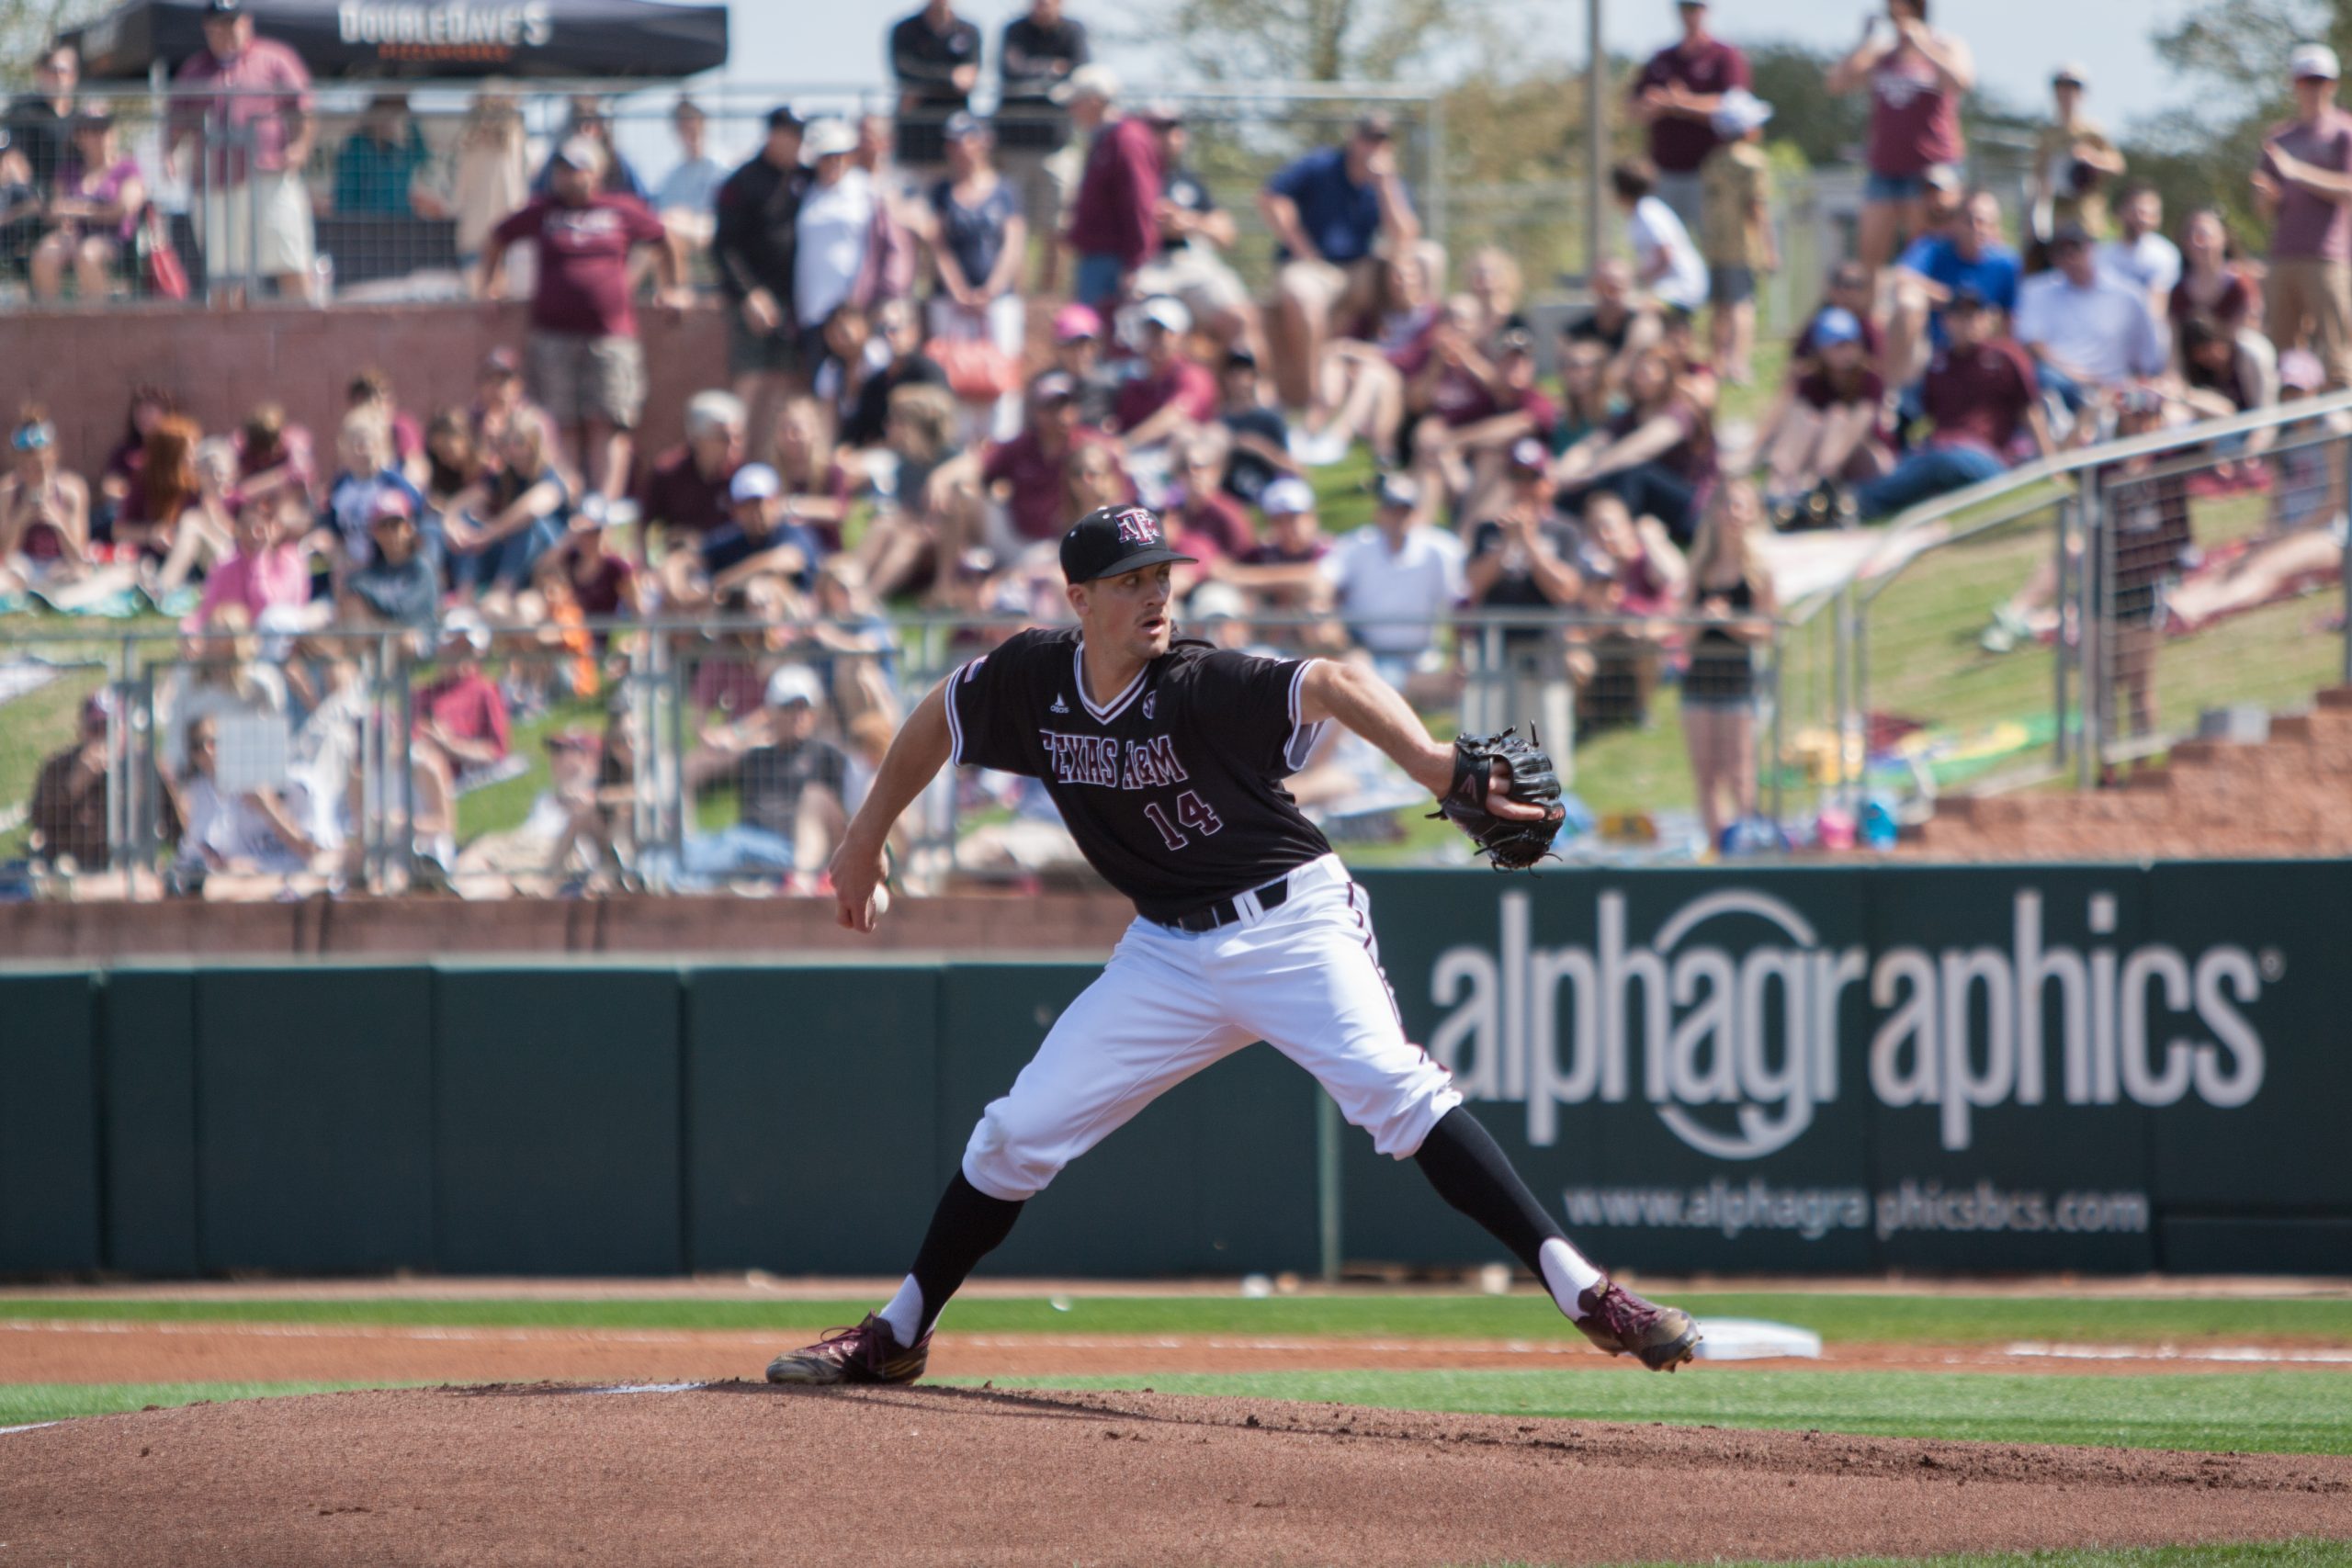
1915	77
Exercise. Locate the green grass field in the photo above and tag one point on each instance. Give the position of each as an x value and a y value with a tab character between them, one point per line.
1918	1319
2272	1411
2276	1411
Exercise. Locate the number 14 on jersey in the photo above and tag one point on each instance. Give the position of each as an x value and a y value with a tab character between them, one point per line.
1192	811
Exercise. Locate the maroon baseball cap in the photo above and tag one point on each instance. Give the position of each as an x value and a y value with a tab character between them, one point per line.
502	362
1112	539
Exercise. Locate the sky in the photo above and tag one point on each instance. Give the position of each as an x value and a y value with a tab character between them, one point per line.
837	41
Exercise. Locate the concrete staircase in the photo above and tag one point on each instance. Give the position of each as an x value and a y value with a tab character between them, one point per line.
2289	796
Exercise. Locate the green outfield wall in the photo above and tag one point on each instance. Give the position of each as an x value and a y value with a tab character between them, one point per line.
1849	1069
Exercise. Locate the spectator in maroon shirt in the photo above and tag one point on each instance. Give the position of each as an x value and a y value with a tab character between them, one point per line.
2303	185
1172	392
1916	77
684	492
1468	443
1028	477
460	716
1205	521
1981	396
1837	424
1676	96
1113	223
587	367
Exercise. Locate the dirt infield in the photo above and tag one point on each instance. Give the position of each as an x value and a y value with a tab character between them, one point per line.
741	1473
80	1350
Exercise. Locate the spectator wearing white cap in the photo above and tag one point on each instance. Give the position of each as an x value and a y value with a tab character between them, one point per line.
790	781
2073	161
2304	185
1736	229
759	540
833	234
1283	571
1394	581
1171	392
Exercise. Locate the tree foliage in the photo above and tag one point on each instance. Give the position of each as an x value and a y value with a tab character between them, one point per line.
27	26
1313	40
2234	53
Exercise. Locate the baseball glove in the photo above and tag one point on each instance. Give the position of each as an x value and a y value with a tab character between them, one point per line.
1507	844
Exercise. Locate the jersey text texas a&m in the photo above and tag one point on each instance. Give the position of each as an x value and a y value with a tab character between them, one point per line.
1189	758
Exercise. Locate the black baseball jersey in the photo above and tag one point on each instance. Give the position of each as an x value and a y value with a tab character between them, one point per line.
1173	789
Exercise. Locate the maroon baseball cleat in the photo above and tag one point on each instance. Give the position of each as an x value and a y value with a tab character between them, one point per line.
1623	1324
864	1354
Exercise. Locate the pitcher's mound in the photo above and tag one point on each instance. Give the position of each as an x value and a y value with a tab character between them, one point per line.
742	1473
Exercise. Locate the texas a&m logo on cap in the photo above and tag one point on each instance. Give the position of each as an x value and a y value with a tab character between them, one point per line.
1138	527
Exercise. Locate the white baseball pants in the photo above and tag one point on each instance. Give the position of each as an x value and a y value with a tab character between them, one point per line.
1303	977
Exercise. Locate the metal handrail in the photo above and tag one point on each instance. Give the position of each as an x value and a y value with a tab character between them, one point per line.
2045	470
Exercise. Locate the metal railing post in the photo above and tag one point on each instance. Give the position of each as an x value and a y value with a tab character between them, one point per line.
2343	635
2068	514
2087	633
1841	685
1774	739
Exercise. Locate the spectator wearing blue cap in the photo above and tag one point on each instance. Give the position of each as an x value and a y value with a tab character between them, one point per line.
1838	425
1736	229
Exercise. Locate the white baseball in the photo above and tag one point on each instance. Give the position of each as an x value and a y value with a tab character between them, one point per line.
881	900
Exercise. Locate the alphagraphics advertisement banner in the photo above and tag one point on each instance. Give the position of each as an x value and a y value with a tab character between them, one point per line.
1988	1069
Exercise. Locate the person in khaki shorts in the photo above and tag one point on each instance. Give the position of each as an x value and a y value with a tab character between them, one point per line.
2304	186
587	369
1736	229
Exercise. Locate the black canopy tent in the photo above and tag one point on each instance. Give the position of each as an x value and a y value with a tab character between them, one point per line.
438	39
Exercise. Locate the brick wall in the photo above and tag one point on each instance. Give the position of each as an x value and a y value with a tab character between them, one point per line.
222	362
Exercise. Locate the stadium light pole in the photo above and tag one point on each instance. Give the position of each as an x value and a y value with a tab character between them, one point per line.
1596	138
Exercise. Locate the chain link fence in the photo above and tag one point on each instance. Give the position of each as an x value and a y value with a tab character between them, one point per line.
715	756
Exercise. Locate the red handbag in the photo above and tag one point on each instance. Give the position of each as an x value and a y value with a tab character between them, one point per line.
977	370
167	275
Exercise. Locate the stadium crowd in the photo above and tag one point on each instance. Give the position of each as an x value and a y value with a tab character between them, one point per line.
880	433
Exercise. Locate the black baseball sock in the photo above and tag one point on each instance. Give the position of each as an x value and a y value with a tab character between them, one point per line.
1471	1172
968	1226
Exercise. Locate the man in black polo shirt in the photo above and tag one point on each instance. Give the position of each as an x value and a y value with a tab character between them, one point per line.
753	244
935	55
40	125
1041	48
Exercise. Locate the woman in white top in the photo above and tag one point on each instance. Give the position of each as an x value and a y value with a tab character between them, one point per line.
835	226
